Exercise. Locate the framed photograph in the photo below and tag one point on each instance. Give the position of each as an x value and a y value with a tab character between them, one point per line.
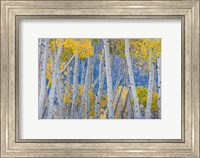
100	78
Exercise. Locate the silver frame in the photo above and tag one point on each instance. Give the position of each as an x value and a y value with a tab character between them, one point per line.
13	11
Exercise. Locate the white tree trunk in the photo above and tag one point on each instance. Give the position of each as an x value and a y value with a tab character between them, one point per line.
109	80
148	113
60	91
137	114
41	58
159	87
101	81
154	78
84	100
130	108
75	86
43	80
83	72
92	61
53	86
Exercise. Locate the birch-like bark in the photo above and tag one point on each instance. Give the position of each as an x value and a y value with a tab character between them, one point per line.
148	113
60	89
129	104
93	59
159	87
109	80
142	108
43	80
154	78
54	81
130	108
41	58
137	114
87	103
83	72
101	81
84	100
75	86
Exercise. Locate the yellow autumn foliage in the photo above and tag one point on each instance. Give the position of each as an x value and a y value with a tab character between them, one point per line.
59	42
86	49
71	45
92	114
62	66
50	82
142	49
52	46
103	101
49	72
143	95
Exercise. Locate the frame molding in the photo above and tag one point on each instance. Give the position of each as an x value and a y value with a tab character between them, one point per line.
13	11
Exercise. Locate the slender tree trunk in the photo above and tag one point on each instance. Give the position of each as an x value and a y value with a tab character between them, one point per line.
60	89
118	79
129	104
130	108
75	86
87	103
83	72
41	58
118	100
137	114
148	113
53	86
109	80
142	107
84	100
154	78
101	81
159	87
93	59
125	105
95	82
43	80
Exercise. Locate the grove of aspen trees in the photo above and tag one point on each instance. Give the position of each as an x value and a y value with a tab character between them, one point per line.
99	78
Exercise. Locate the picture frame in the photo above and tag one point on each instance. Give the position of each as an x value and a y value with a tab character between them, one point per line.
13	11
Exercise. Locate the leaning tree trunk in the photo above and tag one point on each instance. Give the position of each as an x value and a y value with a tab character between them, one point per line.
84	100
137	114
109	80
148	113
101	81
118	79
130	97
43	80
159	87
54	81
75	86
117	103
125	105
